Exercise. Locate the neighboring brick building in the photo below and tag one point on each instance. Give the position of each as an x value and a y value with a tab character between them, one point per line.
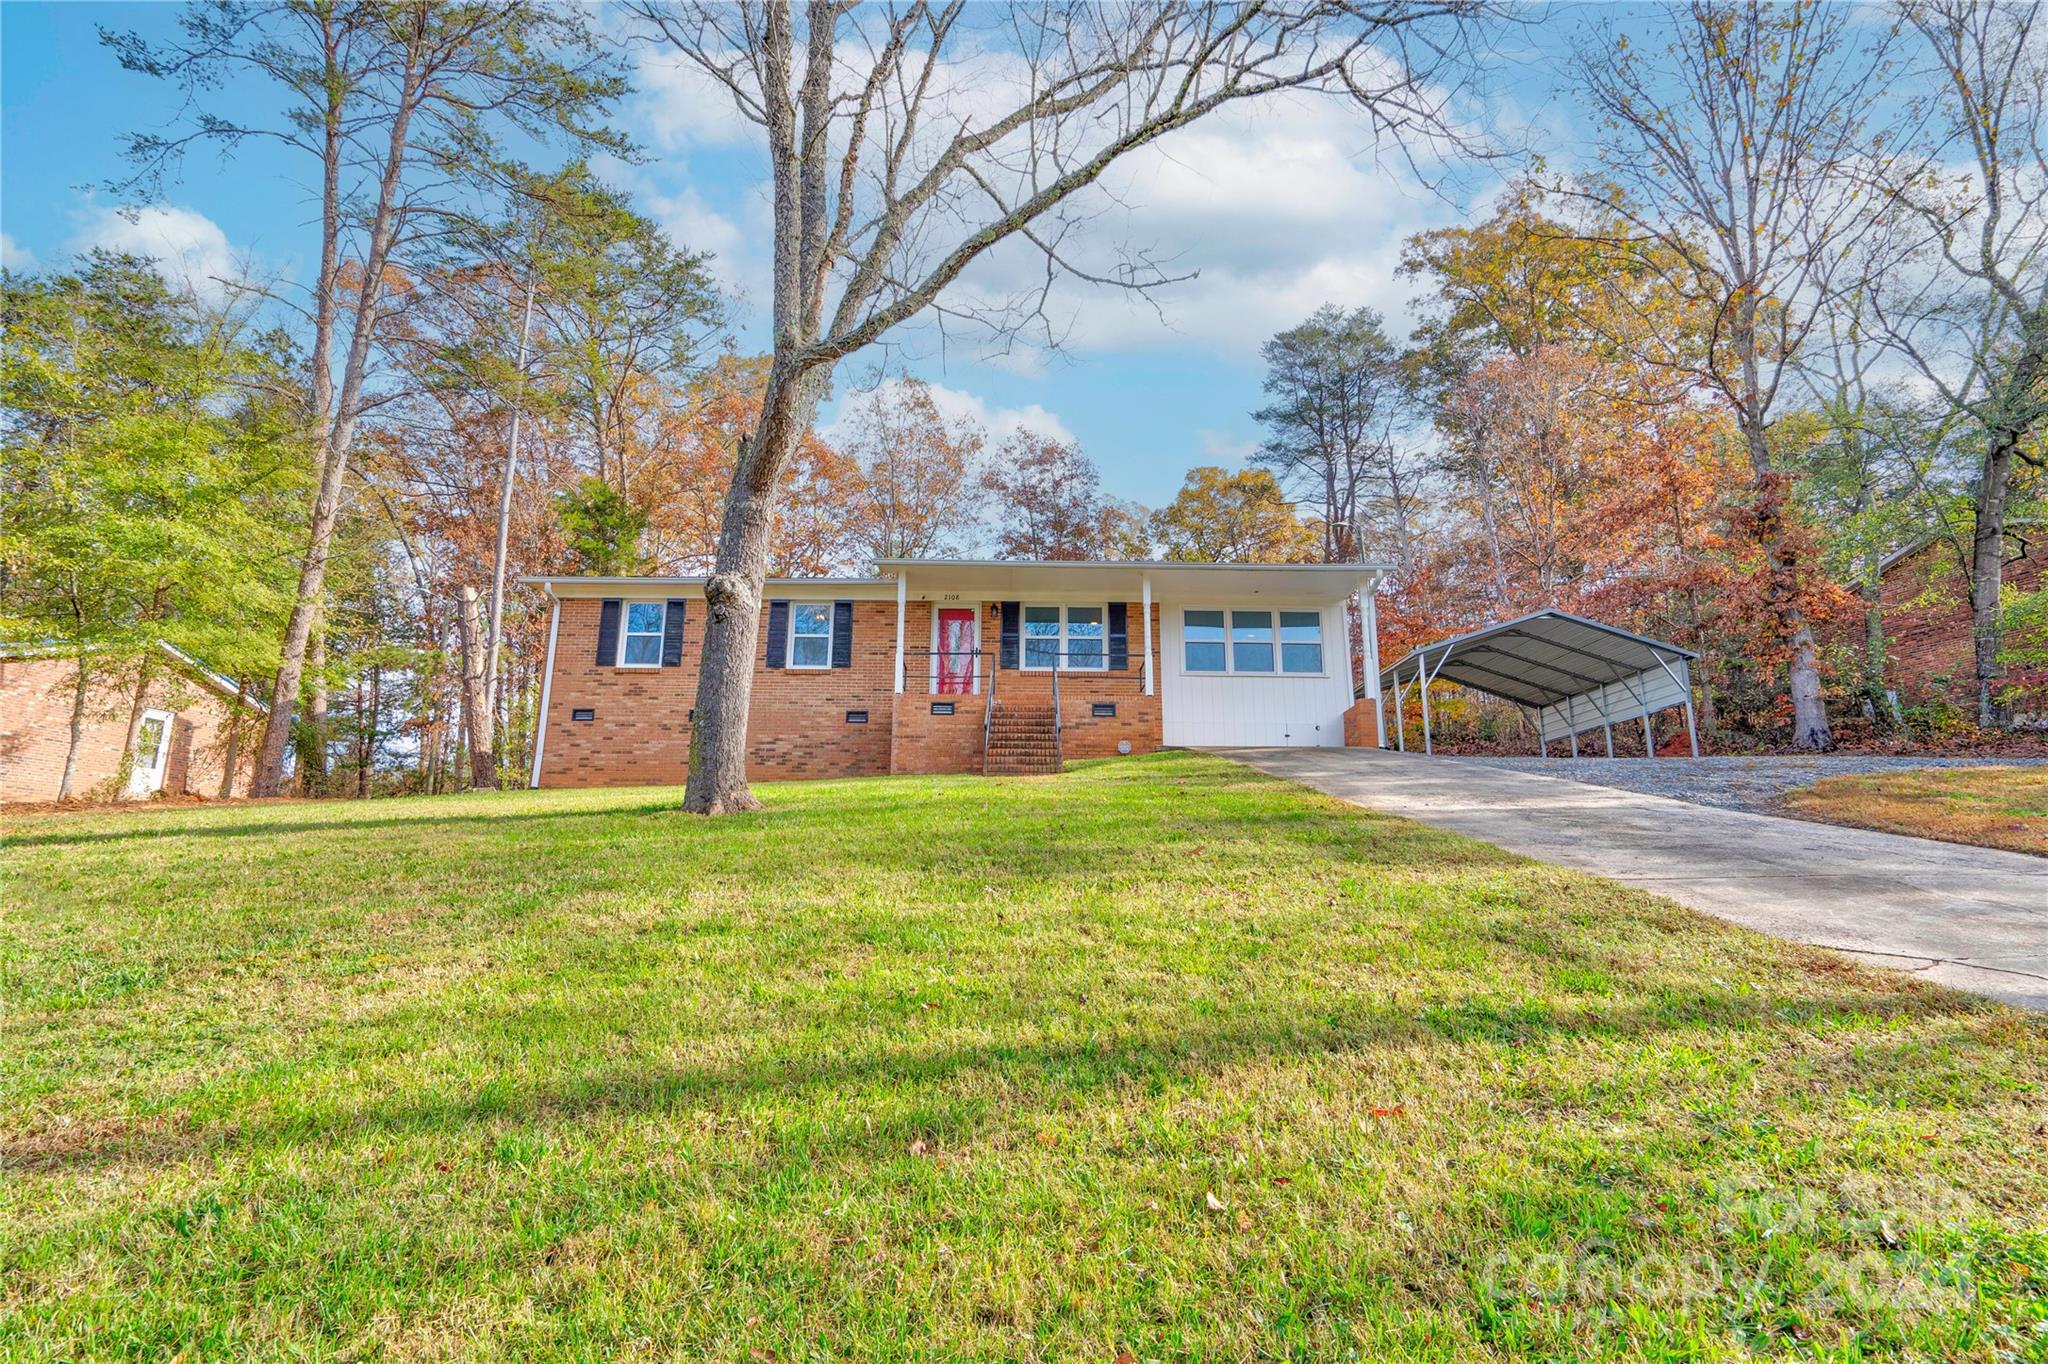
188	738
1925	601
867	676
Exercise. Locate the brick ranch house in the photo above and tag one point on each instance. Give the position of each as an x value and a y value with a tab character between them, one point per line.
191	738
961	666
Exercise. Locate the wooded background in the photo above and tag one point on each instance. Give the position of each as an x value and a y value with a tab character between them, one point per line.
1790	317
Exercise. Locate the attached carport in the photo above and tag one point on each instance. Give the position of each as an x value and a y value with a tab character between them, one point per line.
1567	673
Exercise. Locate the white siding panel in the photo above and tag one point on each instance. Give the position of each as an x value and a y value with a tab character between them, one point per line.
1208	710
1621	701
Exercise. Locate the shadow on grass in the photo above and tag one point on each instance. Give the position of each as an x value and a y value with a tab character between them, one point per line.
1029	1080
482	819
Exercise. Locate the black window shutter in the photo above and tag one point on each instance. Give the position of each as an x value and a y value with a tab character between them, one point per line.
672	633
608	632
1007	640
778	633
1119	636
842	634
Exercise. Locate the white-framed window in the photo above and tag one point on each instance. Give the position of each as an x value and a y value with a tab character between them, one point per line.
640	634
1076	637
1202	642
1301	642
810	634
1251	641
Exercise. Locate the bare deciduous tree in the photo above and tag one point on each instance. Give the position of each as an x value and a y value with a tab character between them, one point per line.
398	104
906	140
913	487
1337	396
1729	155
1967	304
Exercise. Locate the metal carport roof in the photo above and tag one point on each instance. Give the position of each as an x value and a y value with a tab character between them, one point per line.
1569	673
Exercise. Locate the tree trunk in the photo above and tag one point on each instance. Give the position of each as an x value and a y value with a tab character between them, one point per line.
312	737
1802	665
732	597
2016	412
1873	628
81	689
495	638
476	717
335	429
369	726
126	768
237	717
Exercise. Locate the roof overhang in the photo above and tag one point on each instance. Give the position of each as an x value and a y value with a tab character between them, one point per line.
572	588
1126	580
1574	673
1014	579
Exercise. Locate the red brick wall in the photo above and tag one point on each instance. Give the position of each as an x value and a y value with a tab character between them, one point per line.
1925	600
1359	728
1084	736
925	742
35	733
796	724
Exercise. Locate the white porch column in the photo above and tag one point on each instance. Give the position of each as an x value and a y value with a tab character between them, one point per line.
1369	632
902	601
1145	610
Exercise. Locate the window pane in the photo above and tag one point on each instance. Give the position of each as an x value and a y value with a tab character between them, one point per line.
1251	641
1085	637
1301	642
1041	636
642	651
810	635
1202	641
149	742
643	617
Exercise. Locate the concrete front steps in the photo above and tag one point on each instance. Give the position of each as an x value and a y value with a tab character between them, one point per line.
1021	743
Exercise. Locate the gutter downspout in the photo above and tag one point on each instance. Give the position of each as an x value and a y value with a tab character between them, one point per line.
547	688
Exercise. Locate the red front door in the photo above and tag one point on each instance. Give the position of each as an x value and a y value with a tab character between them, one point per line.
956	651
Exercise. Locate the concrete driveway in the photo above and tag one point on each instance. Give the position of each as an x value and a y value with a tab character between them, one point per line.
1972	918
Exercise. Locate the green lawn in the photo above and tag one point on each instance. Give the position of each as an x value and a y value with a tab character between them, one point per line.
1161	1056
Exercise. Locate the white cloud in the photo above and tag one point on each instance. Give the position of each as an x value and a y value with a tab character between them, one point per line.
1275	208
683	107
13	256
1225	447
956	405
695	225
187	246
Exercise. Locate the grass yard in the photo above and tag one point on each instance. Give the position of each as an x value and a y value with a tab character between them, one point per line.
1160	1059
1995	807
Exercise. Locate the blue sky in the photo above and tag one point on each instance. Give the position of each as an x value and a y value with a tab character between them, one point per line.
1279	209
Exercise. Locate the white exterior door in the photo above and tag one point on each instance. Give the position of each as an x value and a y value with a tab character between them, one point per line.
152	753
1253	675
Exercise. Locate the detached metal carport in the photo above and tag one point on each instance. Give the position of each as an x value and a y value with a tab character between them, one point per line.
1567	673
